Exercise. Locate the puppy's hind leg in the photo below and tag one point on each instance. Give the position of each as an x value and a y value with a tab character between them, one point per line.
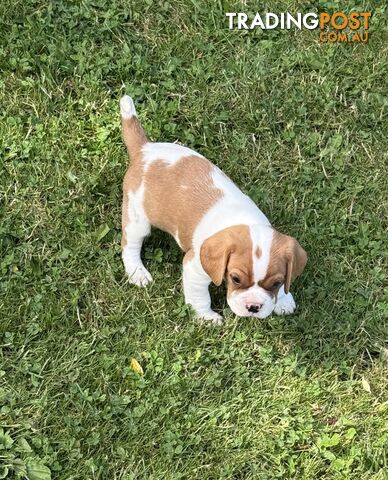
135	227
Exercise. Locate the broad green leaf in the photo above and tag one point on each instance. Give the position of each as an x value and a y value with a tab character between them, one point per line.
5	440
38	471
327	442
24	445
101	231
350	433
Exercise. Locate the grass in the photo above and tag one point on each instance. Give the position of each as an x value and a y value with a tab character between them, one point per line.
301	127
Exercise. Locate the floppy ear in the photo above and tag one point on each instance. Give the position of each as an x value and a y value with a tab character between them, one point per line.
296	261
215	253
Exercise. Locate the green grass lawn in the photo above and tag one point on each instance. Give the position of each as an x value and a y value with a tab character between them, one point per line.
301	127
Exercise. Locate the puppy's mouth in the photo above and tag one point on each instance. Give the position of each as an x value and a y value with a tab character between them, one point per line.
259	315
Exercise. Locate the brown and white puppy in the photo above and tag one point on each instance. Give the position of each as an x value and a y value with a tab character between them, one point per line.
223	233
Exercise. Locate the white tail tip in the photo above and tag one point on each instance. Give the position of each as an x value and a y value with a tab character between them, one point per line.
127	107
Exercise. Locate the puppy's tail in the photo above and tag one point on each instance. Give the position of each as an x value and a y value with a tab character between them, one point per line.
133	133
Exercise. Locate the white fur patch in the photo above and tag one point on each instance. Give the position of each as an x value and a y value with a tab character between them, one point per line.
127	107
196	291
233	208
137	228
137	217
285	303
169	153
224	183
137	274
261	236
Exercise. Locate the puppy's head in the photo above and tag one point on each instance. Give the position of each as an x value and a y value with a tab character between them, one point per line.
256	262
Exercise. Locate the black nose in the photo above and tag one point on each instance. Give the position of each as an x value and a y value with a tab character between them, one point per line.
254	308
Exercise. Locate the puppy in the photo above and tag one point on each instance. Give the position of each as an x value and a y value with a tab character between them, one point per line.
222	232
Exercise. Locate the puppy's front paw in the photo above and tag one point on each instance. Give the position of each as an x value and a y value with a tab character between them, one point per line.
212	317
139	276
285	305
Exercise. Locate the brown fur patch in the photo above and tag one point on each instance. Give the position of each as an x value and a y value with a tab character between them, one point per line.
177	196
134	138
229	252
258	252
133	177
287	261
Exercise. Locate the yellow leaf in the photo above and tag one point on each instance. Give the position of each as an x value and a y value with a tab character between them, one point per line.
136	367
365	385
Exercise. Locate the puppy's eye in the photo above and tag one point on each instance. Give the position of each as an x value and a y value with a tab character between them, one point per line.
275	285
236	280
